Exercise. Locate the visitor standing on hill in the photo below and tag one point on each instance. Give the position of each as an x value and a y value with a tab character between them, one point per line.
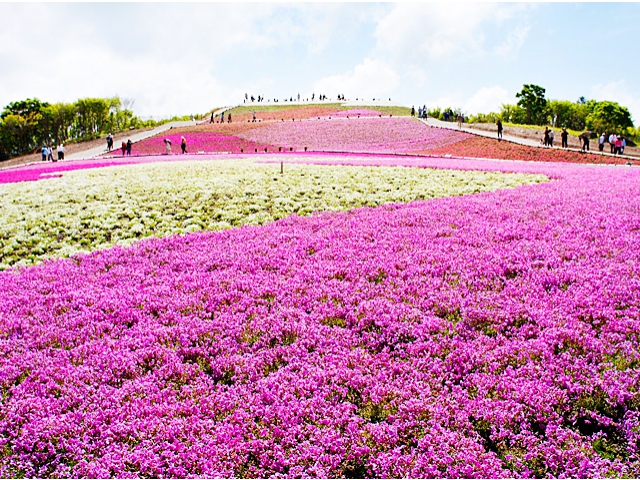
183	144
459	119
50	153
623	143
43	151
229	117
612	142
601	141
167	146
211	121
109	142
551	135
424	112
618	149
123	147
413	111
61	152
499	124
129	146
546	136
254	116
584	137
564	136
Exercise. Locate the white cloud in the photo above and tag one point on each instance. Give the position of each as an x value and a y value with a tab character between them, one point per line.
372	78
618	92
171	58
438	30
487	99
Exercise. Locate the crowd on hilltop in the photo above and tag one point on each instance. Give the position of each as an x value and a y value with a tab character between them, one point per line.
321	98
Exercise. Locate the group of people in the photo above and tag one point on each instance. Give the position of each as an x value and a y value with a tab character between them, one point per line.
616	142
47	153
422	112
125	147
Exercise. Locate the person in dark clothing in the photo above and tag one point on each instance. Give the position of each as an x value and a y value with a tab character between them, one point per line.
129	143
183	145
565	138
499	124
211	121
413	112
584	137
546	136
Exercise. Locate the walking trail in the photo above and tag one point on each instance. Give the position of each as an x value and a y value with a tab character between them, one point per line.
511	138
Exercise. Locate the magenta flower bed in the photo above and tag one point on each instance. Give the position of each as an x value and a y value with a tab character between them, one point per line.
493	335
196	142
382	135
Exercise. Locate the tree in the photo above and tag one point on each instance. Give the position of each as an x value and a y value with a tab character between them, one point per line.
568	114
533	102
608	117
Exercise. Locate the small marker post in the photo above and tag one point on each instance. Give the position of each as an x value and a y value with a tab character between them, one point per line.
281	168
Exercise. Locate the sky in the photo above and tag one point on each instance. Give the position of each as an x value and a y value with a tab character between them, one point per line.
188	58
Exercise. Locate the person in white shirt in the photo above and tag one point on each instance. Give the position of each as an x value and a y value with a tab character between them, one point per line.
601	143
612	142
61	152
550	138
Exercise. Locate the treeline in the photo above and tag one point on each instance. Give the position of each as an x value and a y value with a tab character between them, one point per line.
533	108
27	125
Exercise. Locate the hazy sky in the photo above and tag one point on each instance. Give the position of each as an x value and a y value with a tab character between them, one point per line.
177	59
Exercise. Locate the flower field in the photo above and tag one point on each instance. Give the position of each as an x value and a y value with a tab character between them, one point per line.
358	315
358	130
97	208
487	335
381	135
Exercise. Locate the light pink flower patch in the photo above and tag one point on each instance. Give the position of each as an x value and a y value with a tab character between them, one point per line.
382	135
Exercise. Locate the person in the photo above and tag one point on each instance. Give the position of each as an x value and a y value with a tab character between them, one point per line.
419	111
183	145
564	136
413	111
109	142
313	95
254	116
167	146
123	147
222	117
129	143
546	136
424	111
551	135
229	117
601	142
44	153
211	121
619	145
584	137
612	142
61	152
459	119
50	153
499	124
623	143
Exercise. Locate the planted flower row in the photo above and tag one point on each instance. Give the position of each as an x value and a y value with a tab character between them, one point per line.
493	335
